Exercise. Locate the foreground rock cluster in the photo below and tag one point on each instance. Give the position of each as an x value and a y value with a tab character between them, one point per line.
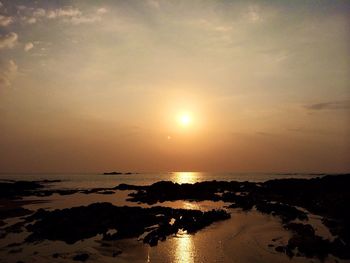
289	199
113	222
326	196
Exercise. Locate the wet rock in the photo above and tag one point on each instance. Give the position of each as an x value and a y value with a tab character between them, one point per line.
169	191
310	245
107	192
116	253
112	173
15	250
280	249
14	228
300	229
285	212
81	257
129	187
151	238
14	244
14	211
244	202
74	224
13	189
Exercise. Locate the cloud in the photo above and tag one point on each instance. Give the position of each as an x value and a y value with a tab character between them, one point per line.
68	14
154	4
39	12
8	41
334	105
28	46
29	20
8	70
31	15
76	17
253	14
101	11
83	20
5	20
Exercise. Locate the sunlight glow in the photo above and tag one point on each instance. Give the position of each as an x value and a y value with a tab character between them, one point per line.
184	248
185	177
185	119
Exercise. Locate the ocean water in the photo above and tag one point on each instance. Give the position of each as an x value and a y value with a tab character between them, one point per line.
83	181
242	238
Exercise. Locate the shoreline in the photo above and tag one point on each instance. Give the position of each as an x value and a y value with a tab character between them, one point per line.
290	200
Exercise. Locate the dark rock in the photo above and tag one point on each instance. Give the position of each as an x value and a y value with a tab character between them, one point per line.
106	192
311	245
73	224
286	212
15	250
300	229
327	196
8	212
244	202
81	257
129	187
116	253
14	244
13	189
280	249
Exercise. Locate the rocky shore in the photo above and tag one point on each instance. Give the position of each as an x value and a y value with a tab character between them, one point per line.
290	200
327	196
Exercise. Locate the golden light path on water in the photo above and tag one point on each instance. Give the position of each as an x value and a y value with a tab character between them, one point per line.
184	248
186	177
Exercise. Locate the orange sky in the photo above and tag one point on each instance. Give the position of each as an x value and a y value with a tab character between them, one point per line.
91	86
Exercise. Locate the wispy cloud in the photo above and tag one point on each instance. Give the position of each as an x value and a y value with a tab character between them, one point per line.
101	11
5	20
29	20
8	70
64	12
8	41
153	3
253	14
69	14
28	46
333	105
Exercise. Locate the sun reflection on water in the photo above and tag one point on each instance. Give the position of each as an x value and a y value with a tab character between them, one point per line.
186	177
184	248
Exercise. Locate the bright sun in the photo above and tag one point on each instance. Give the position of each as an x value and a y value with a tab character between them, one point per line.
185	119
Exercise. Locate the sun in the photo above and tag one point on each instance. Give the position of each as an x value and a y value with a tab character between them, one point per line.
185	119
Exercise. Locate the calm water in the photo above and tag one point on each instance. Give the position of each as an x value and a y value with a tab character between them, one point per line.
243	238
99	180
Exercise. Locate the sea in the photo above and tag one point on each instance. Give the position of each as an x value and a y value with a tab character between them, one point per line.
245	237
91	180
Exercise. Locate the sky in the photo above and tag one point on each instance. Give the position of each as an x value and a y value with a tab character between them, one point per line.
93	86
